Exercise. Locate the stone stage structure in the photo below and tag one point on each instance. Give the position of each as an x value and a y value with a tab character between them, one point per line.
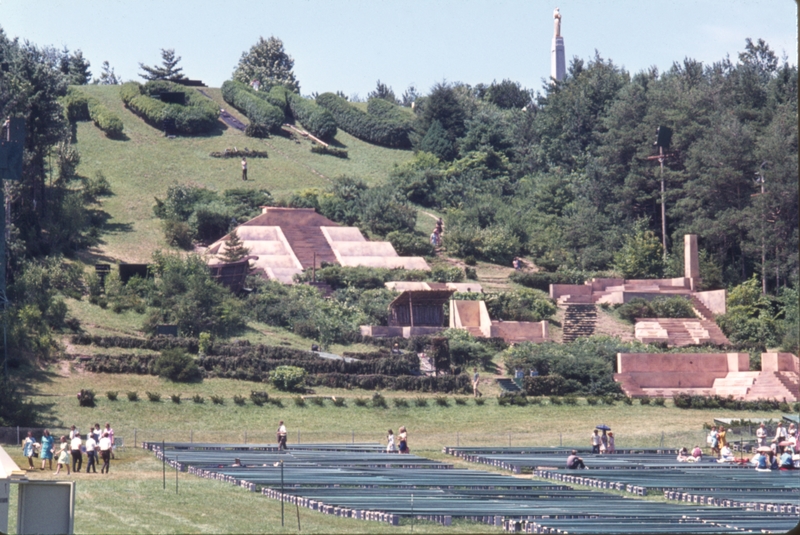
287	241
707	374
428	300
579	300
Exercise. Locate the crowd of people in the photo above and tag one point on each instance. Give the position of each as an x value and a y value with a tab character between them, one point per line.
97	446
401	446
778	453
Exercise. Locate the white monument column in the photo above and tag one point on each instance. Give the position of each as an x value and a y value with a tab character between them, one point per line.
557	58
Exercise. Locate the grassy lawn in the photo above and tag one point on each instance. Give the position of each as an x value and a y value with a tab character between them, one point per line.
115	503
146	163
430	427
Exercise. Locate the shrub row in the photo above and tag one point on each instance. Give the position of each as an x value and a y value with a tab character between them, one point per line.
332	151
378	107
373	129
197	116
264	117
459	384
239	153
80	107
545	385
683	400
156	343
125	363
253	368
541	280
314	118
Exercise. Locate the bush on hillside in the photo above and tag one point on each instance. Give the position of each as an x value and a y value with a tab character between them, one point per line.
176	365
378	107
264	117
409	244
82	107
456	384
316	119
545	385
199	115
660	307
370	128
287	378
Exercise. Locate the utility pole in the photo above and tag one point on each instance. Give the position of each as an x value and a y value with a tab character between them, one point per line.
663	140
760	180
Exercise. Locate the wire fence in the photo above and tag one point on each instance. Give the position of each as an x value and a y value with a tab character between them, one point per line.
133	437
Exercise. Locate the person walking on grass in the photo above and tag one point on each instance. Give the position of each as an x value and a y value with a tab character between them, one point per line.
91	454
281	436
611	446
75	452
244	168
476	379
105	453
63	456
28	449
48	444
110	437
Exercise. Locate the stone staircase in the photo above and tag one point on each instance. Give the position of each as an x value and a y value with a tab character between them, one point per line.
736	384
792	383
305	241
579	321
771	385
679	332
701	310
508	385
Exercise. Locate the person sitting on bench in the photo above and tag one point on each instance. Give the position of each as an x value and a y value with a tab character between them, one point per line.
574	462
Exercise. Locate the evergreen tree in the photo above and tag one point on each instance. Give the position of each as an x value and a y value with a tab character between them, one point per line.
168	70
383	91
234	249
410	95
107	76
267	62
641	255
436	141
79	73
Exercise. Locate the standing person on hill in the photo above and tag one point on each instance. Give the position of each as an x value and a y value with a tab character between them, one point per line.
48	443
28	449
403	440
91	454
611	446
604	442
596	442
75	452
96	433
244	168
281	436
390	442
714	436
476	379
105	453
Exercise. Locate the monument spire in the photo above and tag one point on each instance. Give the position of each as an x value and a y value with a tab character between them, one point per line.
557	59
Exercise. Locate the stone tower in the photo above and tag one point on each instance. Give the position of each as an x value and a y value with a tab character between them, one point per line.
557	58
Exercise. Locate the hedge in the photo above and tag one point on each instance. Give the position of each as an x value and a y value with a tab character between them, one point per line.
333	151
458	384
545	385
684	400
80	107
384	109
370	128
314	118
263	116
198	116
156	343
541	280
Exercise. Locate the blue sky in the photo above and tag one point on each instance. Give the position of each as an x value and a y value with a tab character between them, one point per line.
349	45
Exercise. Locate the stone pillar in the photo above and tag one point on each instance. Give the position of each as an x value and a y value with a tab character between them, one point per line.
557	59
691	262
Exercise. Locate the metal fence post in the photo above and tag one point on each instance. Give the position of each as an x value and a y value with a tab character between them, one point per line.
18	435
457	442
353	436
509	440
191	435
134	437
298	436
245	437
